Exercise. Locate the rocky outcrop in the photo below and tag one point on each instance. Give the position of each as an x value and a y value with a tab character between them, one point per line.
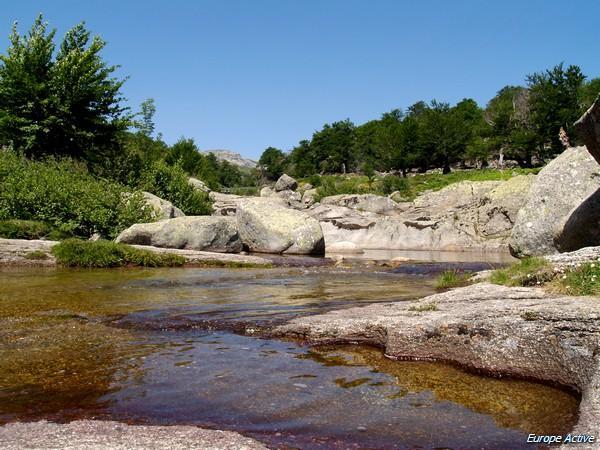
562	199
90	434
588	128
308	197
198	184
210	233
285	183
522	332
224	204
21	252
163	209
363	202
344	247
233	158
462	216
268	226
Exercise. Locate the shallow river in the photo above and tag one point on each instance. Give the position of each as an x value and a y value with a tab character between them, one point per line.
163	346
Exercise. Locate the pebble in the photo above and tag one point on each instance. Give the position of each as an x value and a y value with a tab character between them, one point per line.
361	428
300	385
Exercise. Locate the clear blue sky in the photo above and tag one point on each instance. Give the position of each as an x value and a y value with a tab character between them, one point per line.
244	75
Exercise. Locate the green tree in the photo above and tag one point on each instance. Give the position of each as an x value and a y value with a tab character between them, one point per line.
332	147
555	102
69	105
147	112
272	163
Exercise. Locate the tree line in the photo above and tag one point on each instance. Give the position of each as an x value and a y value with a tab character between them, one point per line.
521	123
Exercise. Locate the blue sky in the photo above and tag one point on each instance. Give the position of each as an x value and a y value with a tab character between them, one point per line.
245	75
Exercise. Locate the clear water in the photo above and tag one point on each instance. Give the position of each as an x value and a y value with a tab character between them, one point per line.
164	346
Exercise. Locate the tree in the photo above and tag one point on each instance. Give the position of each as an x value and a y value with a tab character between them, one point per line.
394	152
555	102
272	163
332	147
69	105
147	112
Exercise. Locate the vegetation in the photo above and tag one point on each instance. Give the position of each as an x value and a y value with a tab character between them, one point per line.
79	253
424	307
23	229
527	272
451	279
65	197
581	280
36	255
408	187
520	123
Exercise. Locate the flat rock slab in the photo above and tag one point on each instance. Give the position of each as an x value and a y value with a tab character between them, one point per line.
91	434
521	332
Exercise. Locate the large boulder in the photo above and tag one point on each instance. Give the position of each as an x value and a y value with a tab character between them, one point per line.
285	183
209	233
558	192
268	226
588	127
198	184
224	204
363	202
163	209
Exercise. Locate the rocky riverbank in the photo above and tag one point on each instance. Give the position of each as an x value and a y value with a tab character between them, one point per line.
519	332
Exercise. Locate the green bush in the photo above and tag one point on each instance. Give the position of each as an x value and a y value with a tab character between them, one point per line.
79	253
393	183
62	194
23	229
452	278
171	183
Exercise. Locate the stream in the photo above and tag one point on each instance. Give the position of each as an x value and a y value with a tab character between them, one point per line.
176	346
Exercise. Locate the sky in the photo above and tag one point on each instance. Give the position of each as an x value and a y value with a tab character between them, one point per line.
246	75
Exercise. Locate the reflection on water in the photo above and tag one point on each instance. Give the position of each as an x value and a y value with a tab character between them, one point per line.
134	345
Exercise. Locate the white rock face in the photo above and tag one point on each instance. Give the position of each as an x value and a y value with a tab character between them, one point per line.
208	233
233	158
268	226
363	202
344	247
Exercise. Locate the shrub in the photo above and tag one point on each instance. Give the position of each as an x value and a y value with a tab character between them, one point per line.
36	255
62	194
393	183
79	253
336	185
23	229
452	278
171	183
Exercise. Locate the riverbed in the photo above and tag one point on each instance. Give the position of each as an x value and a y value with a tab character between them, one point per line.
184	346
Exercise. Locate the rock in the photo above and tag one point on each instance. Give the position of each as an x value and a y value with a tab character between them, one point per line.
397	197
455	196
267	191
363	202
224	204
163	208
566	182
96	434
198	184
570	259
233	158
14	252
521	332
308	198
210	233
285	182
588	128
210	258
269	227
344	247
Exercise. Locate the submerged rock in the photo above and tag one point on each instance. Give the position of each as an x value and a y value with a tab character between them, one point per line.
562	198
210	233
268	226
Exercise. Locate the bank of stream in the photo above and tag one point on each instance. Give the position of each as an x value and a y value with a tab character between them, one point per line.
183	346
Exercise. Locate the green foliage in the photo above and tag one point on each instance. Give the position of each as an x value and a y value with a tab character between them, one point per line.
424	307
78	253
527	272
451	279
59	103
393	183
23	229
62	194
171	183
272	163
36	255
336	185
580	280
147	112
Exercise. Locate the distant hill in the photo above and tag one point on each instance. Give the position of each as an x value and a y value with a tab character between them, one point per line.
233	158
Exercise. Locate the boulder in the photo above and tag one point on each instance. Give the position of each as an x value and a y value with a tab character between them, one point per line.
208	233
588	128
564	184
285	182
293	199
268	226
198	184
163	209
363	202
224	204
455	196
308	197
344	247
267	191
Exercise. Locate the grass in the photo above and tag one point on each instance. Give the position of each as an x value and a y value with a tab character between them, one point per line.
36	255
581	280
451	279
79	253
424	307
409	187
527	272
